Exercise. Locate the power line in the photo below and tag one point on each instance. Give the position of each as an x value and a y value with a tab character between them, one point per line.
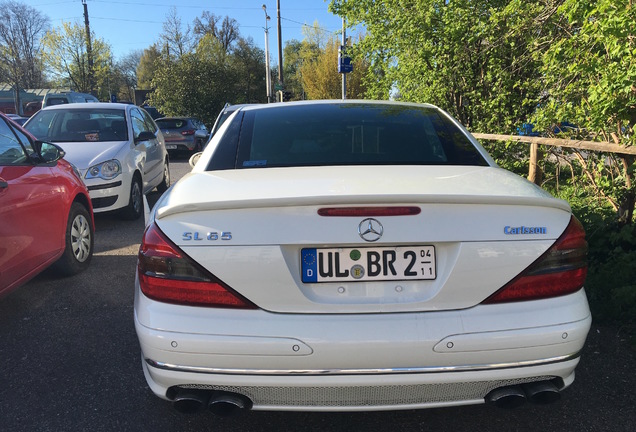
182	6
308	25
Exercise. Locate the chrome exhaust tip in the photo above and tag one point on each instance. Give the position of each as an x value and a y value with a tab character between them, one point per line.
229	404
506	397
189	401
542	392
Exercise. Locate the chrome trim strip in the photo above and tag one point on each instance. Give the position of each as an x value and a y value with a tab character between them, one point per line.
385	371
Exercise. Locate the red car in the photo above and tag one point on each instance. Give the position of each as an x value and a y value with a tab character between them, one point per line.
46	216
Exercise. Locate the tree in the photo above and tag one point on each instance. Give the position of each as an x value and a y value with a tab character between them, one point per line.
147	67
193	86
248	66
474	58
123	79
21	28
208	24
177	41
319	68
293	61
64	52
589	77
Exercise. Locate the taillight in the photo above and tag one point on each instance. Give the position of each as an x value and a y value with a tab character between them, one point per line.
559	271
188	132
168	275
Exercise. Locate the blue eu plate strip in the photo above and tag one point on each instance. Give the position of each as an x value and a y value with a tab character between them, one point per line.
309	265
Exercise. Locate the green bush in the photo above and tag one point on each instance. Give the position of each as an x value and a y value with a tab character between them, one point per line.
611	281
611	278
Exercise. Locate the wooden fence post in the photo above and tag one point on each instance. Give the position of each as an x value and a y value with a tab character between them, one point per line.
535	174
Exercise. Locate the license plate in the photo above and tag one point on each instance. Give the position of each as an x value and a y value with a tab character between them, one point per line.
171	147
368	264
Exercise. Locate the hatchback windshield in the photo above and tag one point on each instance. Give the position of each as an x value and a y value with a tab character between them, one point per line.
79	125
352	134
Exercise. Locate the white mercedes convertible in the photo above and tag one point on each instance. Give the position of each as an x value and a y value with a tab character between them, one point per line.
357	255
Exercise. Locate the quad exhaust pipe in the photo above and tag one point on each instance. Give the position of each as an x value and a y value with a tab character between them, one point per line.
224	404
540	392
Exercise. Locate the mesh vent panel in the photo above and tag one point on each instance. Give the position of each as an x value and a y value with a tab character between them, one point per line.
366	396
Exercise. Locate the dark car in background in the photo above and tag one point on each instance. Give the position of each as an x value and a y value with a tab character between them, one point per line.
183	134
154	112
46	215
17	118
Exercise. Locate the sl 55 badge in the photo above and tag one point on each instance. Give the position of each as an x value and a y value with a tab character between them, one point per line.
211	236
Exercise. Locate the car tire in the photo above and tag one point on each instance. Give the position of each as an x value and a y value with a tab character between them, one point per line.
78	242
135	207
165	182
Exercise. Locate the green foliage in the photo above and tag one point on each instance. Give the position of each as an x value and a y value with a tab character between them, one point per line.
590	75
247	67
148	65
292	60
589	79
199	79
311	72
191	86
199	83
512	156
472	58
611	281
64	53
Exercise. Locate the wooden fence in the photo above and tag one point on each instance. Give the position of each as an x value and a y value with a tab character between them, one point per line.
569	143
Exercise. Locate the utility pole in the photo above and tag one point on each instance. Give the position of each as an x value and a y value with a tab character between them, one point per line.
267	75
280	54
89	50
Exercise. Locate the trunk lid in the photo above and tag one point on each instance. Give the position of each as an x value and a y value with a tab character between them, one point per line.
253	228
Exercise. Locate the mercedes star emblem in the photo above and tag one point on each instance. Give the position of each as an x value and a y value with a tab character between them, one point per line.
370	229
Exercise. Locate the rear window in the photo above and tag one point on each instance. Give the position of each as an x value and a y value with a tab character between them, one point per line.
79	125
352	134
171	123
57	101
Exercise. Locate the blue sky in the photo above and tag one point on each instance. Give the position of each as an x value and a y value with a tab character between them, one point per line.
129	25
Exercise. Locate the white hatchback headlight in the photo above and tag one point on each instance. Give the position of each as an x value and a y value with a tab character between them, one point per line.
106	170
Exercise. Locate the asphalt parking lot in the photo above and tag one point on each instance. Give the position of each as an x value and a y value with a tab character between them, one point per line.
71	362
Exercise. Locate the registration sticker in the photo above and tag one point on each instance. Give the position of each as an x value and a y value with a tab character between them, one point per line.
368	264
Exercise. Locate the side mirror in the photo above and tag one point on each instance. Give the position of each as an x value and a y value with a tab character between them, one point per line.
194	159
145	136
48	152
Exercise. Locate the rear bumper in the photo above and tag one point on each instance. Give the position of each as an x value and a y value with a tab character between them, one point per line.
364	361
185	145
360	392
